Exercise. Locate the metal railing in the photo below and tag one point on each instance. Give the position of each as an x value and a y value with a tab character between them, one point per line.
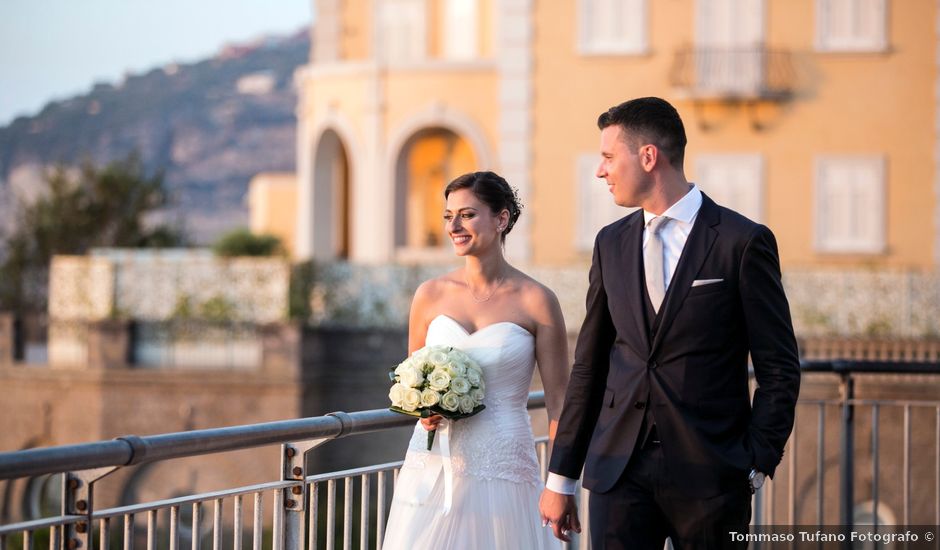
349	508
303	507
750	73
845	414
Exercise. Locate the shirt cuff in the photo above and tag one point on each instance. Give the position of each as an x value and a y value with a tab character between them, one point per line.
561	484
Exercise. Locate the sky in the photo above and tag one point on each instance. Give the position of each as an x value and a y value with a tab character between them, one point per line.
56	49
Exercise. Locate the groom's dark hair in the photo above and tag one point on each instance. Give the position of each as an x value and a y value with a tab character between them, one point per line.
650	120
493	190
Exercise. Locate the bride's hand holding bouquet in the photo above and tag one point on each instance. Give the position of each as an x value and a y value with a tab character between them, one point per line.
437	381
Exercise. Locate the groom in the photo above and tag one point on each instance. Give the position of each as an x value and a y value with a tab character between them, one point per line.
658	411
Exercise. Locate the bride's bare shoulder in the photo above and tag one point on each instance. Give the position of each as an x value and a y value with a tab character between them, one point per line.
538	299
437	287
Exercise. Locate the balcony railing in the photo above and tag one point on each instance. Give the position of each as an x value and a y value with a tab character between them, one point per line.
311	511
722	73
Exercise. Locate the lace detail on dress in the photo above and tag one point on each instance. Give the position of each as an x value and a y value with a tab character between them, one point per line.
481	453
495	456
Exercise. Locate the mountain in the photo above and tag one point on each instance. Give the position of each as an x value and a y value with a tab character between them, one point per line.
210	126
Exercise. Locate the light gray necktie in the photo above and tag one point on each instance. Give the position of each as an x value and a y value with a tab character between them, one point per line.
653	262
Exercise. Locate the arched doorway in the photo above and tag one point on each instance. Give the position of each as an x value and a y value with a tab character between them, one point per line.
427	162
331	184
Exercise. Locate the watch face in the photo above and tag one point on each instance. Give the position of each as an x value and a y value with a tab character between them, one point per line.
757	480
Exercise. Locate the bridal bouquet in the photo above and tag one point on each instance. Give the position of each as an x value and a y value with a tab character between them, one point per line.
437	380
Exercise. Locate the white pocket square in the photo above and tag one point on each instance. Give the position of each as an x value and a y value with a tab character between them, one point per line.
703	282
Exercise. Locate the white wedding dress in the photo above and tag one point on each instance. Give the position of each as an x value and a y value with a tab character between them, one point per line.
487	463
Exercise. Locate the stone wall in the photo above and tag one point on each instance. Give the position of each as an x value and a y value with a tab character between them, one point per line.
867	303
156	285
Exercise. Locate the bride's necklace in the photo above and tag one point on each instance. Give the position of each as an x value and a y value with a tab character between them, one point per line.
499	282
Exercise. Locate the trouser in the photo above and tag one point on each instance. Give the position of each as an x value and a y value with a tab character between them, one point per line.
645	506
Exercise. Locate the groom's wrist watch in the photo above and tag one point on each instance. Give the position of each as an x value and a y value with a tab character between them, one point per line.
755	479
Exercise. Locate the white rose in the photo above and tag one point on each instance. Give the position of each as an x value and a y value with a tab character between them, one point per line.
403	366
397	394
450	401
420	356
460	385
476	394
429	398
438	357
411	376
474	377
439	379
457	367
411	399
466	404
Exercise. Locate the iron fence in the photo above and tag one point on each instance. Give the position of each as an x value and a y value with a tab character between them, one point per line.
884	468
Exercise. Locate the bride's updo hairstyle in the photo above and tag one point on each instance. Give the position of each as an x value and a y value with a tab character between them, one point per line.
492	190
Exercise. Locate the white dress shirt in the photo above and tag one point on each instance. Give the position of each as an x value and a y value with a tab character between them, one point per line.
674	234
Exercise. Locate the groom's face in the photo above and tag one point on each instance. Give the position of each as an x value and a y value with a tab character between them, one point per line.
620	166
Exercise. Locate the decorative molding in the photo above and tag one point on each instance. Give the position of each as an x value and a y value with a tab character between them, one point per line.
440	115
367	68
514	52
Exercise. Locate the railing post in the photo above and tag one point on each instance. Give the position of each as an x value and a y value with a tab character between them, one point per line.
78	500
847	465
294	468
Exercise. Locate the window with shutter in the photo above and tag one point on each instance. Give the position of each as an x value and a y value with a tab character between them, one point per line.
851	25
612	26
461	40
595	204
850	204
403	30
735	181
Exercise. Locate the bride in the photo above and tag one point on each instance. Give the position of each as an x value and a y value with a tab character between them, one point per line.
479	486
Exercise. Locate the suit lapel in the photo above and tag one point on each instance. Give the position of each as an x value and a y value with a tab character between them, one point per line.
693	256
631	262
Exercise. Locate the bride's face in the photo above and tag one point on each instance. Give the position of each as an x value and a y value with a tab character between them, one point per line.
470	223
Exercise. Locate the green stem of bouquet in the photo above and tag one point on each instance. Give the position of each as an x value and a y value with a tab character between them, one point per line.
431	438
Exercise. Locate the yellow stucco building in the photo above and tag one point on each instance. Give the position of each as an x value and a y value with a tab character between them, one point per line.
272	206
818	118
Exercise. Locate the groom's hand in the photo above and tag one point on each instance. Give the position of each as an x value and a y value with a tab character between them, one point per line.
561	512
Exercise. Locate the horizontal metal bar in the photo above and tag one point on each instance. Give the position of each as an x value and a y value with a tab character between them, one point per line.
191	499
388	466
135	450
53	460
36	524
355	472
868	367
893	403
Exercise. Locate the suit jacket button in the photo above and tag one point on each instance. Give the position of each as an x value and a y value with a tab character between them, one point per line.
639	404
653	365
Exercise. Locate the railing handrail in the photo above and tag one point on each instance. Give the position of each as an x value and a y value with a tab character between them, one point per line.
131	449
846	366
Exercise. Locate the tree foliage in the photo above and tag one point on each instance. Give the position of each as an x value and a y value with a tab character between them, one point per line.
242	242
78	210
